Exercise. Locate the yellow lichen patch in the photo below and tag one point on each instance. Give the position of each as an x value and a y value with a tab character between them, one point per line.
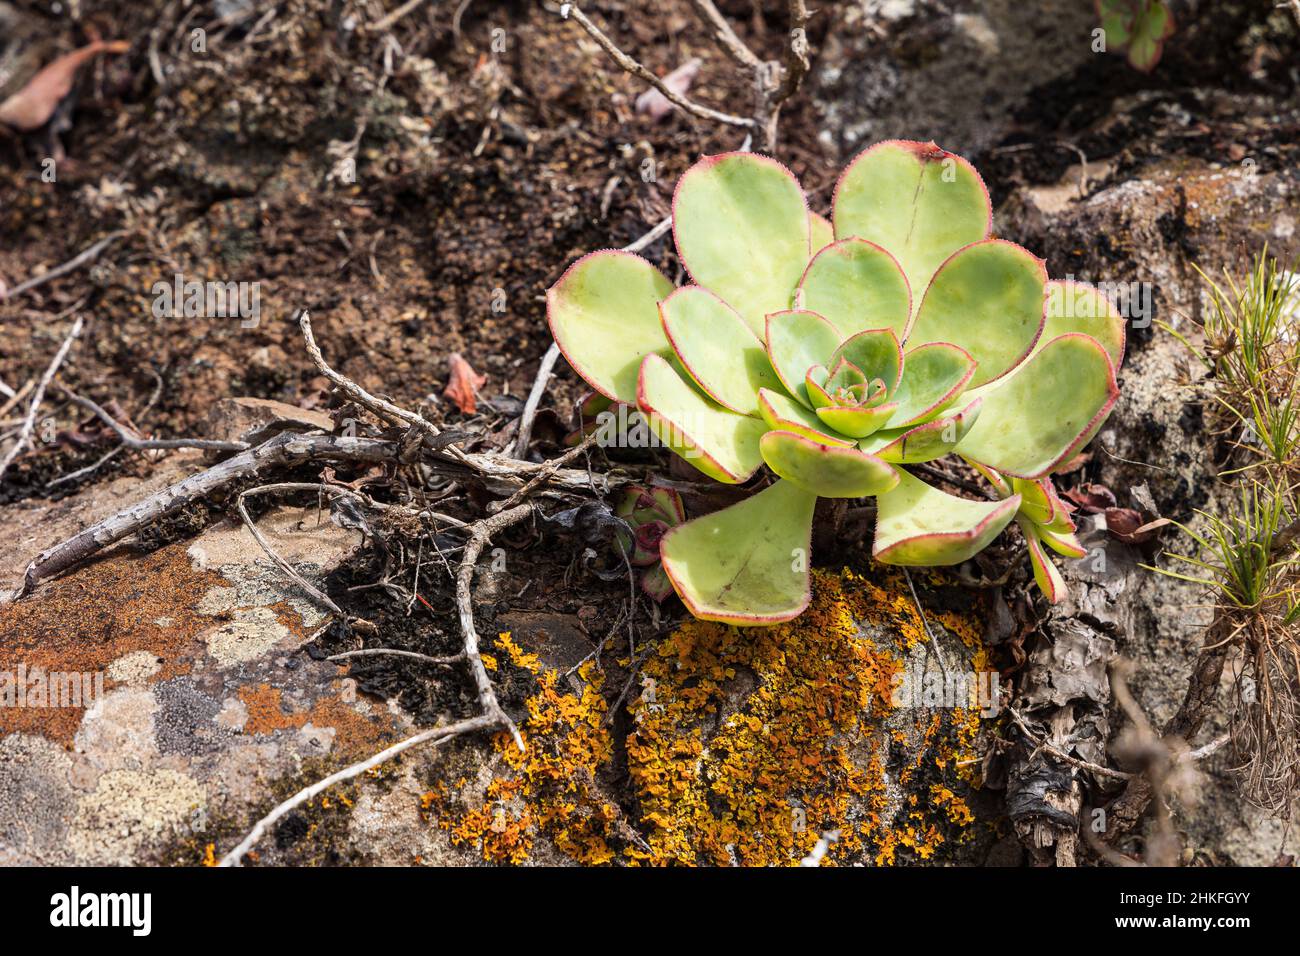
748	745
549	787
803	752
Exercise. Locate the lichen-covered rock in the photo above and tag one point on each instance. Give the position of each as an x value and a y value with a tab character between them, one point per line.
747	746
193	698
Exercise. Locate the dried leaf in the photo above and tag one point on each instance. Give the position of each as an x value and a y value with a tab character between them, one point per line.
679	81
464	385
1127	525
32	106
1092	498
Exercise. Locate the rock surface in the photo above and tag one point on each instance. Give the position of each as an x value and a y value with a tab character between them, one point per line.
207	709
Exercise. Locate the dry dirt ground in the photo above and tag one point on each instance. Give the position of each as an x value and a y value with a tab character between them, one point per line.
490	144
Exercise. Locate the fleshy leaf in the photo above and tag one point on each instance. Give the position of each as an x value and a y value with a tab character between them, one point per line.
857	422
876	352
748	563
1079	307
717	348
1036	503
645	543
1153	27
604	314
796	341
1117	19
1046	574
1141	26
783	412
917	201
823	233
1001	485
742	230
934	376
922	526
1063	543
989	299
857	285
830	471
718	442
934	439
1042	415
655	583
815	385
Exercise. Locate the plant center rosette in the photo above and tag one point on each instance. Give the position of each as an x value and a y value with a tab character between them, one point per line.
838	353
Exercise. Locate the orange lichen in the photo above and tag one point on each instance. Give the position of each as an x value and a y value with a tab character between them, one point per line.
550	786
353	732
802	754
749	745
82	623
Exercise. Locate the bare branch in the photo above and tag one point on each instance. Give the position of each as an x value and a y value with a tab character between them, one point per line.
284	449
534	399
1059	754
144	444
726	37
449	661
571	10
479	537
381	25
29	422
553	353
319	596
796	57
437	735
87	255
664	225
381	407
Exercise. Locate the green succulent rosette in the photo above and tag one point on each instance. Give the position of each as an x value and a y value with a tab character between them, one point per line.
837	354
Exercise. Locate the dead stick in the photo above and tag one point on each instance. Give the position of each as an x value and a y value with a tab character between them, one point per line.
534	399
29	423
571	10
284	449
76	262
437	735
724	36
553	353
480	535
449	660
145	444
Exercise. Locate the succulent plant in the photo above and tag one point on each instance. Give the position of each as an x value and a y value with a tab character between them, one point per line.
837	353
1137	26
650	512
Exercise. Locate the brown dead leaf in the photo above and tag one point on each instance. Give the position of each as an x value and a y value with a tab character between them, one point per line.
1092	497
32	106
464	385
1127	525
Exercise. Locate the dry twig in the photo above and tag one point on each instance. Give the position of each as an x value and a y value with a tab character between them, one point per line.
88	255
29	422
574	12
437	735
